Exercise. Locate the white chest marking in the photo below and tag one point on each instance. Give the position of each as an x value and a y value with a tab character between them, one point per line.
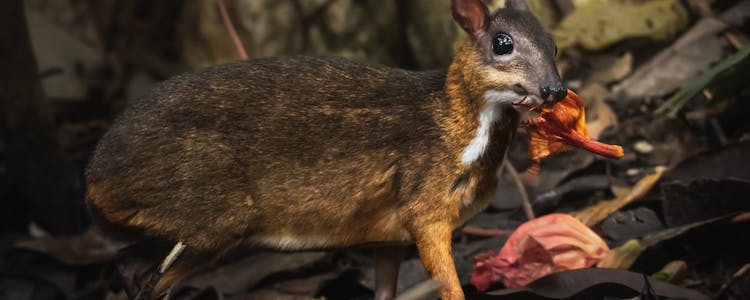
490	113
290	242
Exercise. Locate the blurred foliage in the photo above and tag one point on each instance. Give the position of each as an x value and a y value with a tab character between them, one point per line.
596	25
675	103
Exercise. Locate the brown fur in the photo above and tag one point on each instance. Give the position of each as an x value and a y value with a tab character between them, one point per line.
306	153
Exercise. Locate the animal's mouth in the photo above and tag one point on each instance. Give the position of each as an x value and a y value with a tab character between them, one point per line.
530	106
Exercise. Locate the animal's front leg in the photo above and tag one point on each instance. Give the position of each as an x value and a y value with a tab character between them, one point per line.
434	246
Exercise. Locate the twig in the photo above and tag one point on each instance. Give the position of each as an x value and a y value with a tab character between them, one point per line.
738	40
734	278
742	217
148	288
484	231
525	203
552	197
720	135
232	31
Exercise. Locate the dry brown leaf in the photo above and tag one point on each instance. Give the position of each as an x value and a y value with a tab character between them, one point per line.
594	214
694	52
619	190
598	24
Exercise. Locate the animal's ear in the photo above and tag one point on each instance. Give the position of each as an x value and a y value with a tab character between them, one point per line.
517	4
470	14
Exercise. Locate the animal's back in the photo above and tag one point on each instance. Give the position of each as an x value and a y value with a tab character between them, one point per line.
251	149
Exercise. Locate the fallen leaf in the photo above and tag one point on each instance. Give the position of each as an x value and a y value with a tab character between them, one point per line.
673	140
673	272
84	249
594	284
621	226
694	52
598	24
655	238
622	257
241	275
549	244
732	158
596	213
701	199
547	201
723	70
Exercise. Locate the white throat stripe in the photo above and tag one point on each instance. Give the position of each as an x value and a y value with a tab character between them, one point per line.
490	113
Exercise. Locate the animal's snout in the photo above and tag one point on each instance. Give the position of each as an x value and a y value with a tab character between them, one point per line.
553	93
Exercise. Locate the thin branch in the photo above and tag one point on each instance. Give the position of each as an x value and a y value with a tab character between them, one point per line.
742	271
148	288
484	231
232	31
525	203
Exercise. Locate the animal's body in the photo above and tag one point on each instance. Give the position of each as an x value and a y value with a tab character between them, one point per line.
306	153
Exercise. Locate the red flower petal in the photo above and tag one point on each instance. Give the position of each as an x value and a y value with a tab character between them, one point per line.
562	128
552	243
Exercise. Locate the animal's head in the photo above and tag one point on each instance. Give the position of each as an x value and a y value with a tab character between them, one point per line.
512	56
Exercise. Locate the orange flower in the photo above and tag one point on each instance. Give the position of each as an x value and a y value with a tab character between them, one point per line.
562	128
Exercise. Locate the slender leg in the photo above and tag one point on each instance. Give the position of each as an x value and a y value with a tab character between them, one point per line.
387	261
434	246
128	277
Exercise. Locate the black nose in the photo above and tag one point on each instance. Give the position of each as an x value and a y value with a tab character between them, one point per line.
553	93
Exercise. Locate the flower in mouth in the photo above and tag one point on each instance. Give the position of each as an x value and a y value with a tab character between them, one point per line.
562	127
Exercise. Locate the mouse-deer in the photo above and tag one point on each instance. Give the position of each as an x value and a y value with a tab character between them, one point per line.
301	153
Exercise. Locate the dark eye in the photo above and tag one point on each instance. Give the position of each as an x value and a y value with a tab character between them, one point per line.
502	44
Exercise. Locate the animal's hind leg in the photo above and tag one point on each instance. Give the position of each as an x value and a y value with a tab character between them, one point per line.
387	262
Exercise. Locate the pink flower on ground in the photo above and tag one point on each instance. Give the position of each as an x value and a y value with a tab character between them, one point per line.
549	244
